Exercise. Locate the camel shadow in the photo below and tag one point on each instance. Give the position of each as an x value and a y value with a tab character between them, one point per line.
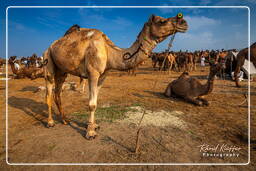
157	94
29	88
237	92
107	138
77	126
30	107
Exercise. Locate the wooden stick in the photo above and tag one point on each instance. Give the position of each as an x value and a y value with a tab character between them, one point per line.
138	134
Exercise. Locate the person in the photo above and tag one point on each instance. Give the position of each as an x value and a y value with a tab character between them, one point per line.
202	60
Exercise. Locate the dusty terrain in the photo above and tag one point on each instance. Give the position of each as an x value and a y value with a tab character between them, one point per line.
172	130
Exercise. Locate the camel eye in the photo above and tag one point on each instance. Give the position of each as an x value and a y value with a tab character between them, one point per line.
162	21
180	15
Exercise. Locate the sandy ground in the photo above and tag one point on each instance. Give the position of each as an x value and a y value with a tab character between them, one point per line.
172	130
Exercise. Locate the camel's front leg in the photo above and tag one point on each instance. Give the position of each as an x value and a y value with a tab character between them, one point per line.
49	86
237	70
93	95
205	102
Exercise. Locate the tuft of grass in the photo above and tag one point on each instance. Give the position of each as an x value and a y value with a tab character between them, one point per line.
104	114
51	147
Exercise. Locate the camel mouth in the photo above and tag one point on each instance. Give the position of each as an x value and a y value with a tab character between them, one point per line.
182	29
182	26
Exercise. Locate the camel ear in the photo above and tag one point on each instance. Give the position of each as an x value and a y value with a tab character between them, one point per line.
152	18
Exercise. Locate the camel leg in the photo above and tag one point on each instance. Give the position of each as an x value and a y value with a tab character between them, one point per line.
93	95
49	86
82	81
194	101
168	90
205	102
101	80
237	70
59	79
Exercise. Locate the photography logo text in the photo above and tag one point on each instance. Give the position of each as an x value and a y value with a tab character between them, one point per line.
219	150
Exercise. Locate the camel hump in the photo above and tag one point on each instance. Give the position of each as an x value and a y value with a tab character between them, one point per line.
72	29
109	42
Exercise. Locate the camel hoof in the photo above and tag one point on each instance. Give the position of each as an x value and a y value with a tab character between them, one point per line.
90	135
50	124
200	103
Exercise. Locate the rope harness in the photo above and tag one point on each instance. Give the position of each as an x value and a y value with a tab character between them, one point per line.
168	49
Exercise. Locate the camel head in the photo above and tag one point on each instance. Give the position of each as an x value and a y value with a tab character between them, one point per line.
216	67
12	59
161	28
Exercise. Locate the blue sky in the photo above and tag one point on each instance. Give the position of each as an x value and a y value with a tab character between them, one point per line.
32	30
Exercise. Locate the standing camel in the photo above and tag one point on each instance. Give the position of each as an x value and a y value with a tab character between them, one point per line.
241	56
89	53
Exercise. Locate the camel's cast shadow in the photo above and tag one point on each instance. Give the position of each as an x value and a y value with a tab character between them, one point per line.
29	88
30	107
38	110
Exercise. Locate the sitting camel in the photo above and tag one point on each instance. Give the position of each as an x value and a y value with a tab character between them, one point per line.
31	72
191	89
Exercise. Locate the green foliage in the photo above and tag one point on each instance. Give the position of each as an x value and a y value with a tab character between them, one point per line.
104	114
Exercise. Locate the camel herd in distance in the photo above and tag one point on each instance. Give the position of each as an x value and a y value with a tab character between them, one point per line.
32	66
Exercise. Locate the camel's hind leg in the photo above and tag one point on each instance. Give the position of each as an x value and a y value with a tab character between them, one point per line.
59	79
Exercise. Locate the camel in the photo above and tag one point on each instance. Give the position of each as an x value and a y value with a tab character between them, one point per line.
31	72
241	56
167	57
191	89
181	61
189	61
2	62
90	54
171	58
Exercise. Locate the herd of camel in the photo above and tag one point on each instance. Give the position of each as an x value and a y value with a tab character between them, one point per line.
90	54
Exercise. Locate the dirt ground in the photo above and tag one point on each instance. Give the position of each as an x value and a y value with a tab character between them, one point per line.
172	131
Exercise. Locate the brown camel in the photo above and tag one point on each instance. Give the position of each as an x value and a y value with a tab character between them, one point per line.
241	56
89	53
191	89
172	60
25	72
189	61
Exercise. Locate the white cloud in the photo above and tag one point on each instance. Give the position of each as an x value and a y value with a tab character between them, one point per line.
166	10
122	21
205	2
195	22
16	25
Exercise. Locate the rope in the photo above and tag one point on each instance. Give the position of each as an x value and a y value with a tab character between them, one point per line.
168	48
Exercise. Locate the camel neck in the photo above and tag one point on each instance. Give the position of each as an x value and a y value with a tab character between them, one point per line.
14	70
210	82
138	52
